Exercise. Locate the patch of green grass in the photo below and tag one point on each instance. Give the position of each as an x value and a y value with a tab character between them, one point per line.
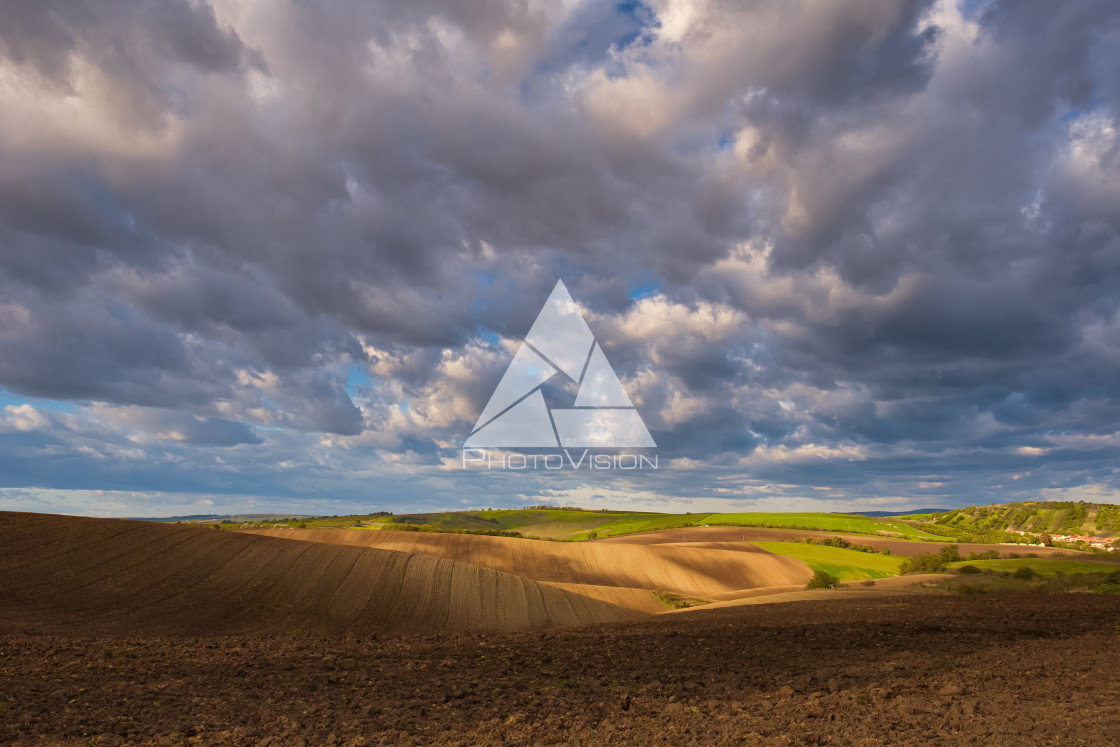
578	525
637	523
846	565
1041	566
910	532
678	601
820	522
450	520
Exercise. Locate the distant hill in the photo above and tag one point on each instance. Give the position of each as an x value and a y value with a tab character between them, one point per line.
1036	517
881	514
214	517
192	517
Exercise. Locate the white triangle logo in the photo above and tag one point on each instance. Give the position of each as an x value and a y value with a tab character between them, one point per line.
559	343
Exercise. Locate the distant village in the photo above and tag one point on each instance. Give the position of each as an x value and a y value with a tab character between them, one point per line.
1100	543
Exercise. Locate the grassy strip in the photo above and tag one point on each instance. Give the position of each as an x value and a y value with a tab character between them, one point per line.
677	601
909	532
811	521
846	565
1041	566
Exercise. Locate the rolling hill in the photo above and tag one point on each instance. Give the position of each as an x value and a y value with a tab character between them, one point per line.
1039	517
62	572
607	571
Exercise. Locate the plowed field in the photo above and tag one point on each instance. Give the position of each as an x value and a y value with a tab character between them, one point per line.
717	572
63	573
897	670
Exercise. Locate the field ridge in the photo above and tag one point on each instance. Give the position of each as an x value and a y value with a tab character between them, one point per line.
59	572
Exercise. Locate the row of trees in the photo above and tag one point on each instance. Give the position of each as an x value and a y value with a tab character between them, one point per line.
937	561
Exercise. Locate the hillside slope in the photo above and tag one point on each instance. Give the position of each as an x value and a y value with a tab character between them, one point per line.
58	572
1040	517
702	572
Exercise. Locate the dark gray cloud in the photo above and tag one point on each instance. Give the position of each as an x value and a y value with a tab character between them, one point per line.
858	251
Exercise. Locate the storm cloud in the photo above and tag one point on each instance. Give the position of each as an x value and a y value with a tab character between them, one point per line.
272	254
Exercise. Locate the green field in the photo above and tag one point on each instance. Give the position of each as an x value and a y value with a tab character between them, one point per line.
561	524
820	522
1042	566
846	565
909	532
450	520
579	525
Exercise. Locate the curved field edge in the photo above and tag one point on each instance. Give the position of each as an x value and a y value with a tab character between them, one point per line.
686	570
60	572
846	565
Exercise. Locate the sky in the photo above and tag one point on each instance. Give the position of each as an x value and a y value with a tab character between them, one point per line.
275	255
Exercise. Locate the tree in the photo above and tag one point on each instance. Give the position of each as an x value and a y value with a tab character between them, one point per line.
1046	540
949	554
822	580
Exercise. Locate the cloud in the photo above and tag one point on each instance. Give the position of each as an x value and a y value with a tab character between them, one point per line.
856	250
23	418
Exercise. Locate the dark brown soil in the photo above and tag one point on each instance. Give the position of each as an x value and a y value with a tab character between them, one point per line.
1015	670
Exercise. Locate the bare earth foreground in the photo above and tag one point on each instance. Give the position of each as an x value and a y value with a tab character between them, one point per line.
117	667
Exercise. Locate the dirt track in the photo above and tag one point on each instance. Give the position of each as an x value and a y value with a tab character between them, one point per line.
65	573
902	670
707	572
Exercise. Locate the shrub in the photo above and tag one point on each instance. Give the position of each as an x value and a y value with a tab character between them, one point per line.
929	563
822	580
1026	572
968	569
1110	585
